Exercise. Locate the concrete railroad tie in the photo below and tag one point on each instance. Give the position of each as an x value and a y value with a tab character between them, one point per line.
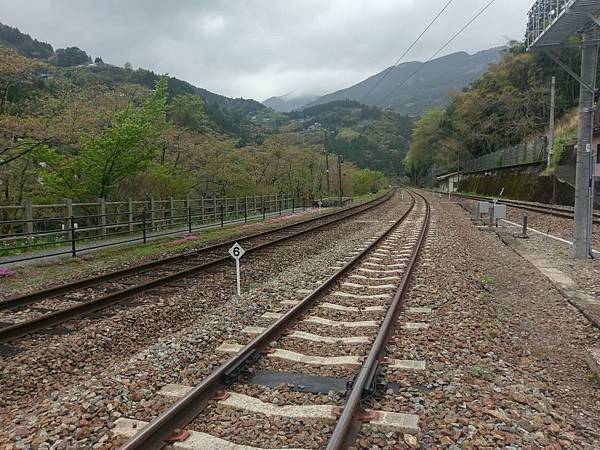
593	360
345	361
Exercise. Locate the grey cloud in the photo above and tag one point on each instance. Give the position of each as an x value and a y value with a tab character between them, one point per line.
259	48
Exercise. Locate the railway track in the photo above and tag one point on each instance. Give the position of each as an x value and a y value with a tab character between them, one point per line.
554	210
39	310
336	334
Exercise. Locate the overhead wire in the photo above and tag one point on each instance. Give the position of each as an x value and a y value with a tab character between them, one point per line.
443	47
410	47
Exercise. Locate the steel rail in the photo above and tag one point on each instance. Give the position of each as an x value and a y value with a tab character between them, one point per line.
348	424
558	211
185	410
33	297
54	318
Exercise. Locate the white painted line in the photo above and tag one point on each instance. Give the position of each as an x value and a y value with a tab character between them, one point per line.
564	241
538	232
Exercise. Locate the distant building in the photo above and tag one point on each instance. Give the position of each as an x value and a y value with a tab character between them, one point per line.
447	182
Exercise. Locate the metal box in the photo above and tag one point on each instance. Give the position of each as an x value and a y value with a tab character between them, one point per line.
483	208
499	211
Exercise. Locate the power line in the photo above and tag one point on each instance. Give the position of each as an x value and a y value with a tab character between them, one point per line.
387	72
458	33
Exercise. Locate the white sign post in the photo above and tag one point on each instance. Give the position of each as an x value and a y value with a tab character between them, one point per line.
237	252
320	203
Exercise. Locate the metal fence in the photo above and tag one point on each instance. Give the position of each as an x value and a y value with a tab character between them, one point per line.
70	227
542	15
519	155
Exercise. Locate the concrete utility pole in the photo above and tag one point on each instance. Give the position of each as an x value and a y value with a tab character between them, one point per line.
340	161
552	116
584	182
327	158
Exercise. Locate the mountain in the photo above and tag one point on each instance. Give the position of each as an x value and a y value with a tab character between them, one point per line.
24	44
429	88
218	106
287	103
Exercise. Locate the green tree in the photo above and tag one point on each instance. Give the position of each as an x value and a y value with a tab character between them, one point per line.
187	111
71	56
124	148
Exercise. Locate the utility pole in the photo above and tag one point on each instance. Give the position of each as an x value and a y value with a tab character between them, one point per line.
584	180
327	158
552	116
340	161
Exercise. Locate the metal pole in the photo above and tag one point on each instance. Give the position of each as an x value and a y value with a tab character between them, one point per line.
130	214
202	210
190	219
237	270
222	215
584	181
144	226
245	209
73	237
552	115
339	161
28	217
102	221
327	158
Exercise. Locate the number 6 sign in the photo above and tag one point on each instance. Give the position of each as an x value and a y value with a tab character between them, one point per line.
237	252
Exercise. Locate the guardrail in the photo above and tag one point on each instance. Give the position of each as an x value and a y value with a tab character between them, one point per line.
40	228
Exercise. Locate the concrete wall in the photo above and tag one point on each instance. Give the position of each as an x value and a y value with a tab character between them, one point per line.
522	183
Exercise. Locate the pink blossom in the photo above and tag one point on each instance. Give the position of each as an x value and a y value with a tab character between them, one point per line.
6	273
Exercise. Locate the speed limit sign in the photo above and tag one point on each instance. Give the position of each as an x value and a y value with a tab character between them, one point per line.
237	252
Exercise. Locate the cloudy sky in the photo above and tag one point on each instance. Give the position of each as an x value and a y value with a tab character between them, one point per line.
259	48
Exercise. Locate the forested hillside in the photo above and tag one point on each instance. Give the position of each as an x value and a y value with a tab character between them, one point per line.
95	130
369	136
508	105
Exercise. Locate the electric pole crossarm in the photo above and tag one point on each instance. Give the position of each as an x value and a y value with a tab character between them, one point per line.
567	69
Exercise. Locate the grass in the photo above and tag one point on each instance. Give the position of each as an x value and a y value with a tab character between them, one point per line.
479	372
487	281
591	376
490	335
